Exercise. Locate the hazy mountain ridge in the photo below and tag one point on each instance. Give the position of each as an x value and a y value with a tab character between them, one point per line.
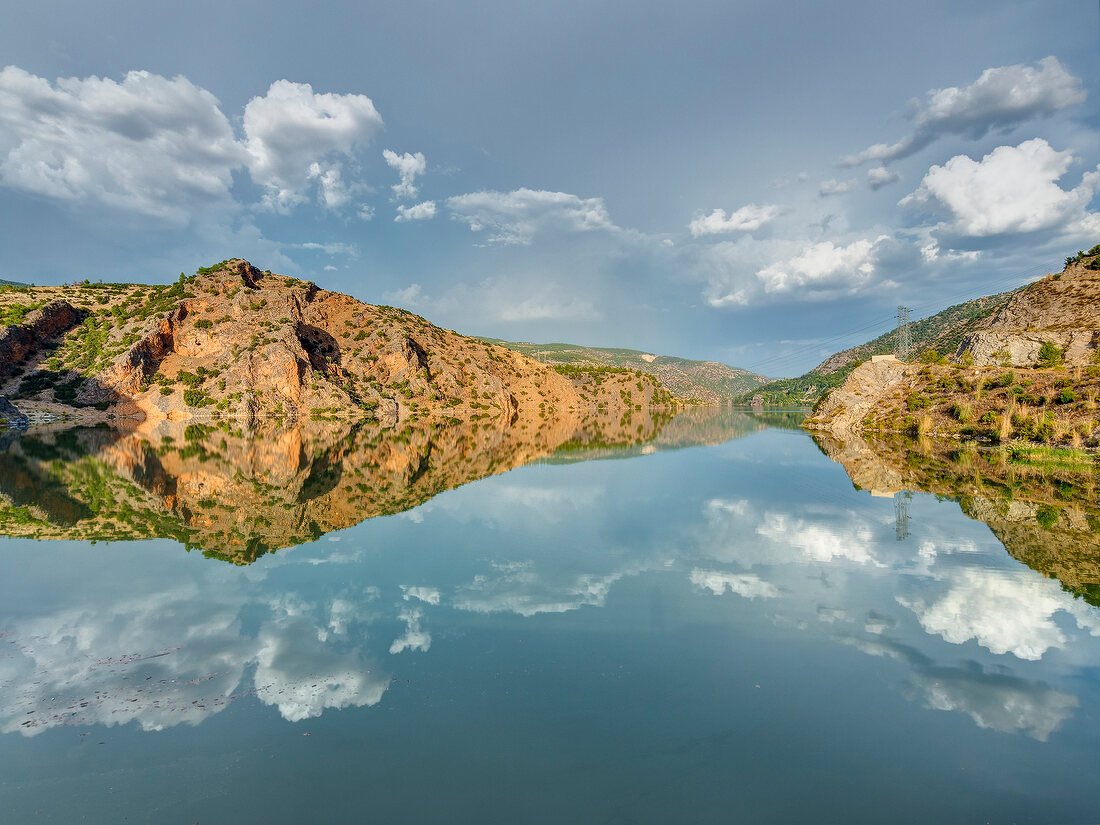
710	381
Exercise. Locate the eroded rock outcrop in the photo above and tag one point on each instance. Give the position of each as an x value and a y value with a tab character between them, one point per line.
19	341
1063	308
846	409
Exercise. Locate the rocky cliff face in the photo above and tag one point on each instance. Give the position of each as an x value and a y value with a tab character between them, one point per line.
1063	308
996	389
235	342
847	408
37	330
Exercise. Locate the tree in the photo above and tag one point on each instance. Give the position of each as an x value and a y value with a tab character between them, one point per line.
1050	355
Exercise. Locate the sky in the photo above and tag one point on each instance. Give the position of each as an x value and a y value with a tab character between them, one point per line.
759	183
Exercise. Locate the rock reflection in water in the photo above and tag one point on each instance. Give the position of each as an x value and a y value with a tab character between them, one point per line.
237	495
1047	514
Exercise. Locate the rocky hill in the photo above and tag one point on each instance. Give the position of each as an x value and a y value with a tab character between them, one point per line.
1028	371
709	381
234	342
943	332
1062	309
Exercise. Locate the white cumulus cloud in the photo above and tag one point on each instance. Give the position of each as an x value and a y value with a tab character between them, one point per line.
163	147
414	637
818	543
1001	98
429	595
748	585
292	134
421	212
824	267
746	219
993	700
147	144
408	167
1004	612
1013	189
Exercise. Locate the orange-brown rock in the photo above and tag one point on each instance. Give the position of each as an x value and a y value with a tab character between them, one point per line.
235	342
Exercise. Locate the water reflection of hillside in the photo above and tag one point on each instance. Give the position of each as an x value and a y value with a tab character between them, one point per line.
695	427
1046	514
238	495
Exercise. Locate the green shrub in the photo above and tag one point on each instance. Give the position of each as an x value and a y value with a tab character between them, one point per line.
204	323
1067	396
1044	430
1050	355
207	270
196	398
915	401
1047	516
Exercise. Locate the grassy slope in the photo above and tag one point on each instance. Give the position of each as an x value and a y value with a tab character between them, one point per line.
706	380
942	332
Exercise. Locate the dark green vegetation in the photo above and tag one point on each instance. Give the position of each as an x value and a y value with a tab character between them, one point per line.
1083	257
15	313
933	337
707	381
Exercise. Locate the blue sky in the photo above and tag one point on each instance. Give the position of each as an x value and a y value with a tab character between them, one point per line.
757	183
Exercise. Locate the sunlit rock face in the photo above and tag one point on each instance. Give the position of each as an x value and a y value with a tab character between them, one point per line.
1060	308
238	343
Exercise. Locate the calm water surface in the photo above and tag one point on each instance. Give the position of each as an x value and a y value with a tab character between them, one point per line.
732	633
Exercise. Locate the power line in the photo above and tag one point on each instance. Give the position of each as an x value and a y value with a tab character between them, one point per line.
945	302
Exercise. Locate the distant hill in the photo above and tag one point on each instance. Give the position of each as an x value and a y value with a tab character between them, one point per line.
708	381
943	332
11	283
